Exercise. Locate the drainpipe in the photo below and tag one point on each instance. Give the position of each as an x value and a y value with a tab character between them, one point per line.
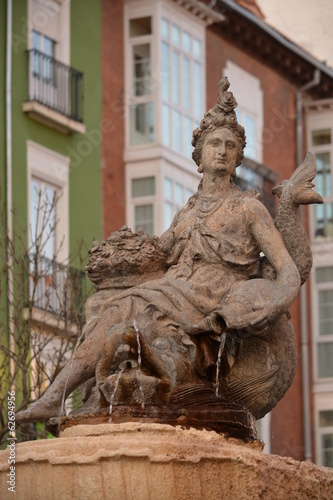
9	188
303	297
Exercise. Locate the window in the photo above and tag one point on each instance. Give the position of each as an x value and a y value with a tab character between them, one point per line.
142	107
175	197
323	214
246	119
48	173
320	142
326	438
250	114
324	327
42	68
247	178
49	22
43	71
48	227
44	282
143	195
43	206
250	109
55	90
182	85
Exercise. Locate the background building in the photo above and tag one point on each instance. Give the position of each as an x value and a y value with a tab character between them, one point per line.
162	60
310	25
50	131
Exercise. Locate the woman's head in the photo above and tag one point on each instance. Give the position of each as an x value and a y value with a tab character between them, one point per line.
222	115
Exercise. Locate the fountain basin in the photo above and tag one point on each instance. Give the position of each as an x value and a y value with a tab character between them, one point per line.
140	461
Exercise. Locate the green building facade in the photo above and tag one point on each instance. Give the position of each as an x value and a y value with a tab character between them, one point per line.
50	134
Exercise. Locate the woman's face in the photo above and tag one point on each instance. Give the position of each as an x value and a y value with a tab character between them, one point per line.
219	152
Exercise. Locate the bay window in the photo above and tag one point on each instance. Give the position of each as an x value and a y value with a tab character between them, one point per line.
164	76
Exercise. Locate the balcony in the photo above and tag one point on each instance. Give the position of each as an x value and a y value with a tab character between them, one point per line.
55	293
55	93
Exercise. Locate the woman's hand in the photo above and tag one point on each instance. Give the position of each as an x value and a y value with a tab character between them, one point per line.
253	306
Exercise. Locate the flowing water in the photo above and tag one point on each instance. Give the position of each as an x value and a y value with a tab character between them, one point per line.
114	393
139	362
218	362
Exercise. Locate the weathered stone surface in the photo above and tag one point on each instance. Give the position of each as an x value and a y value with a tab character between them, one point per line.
199	315
141	461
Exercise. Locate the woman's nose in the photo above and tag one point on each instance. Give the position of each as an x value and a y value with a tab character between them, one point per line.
222	149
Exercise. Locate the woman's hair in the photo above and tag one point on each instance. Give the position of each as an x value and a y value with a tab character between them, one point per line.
222	115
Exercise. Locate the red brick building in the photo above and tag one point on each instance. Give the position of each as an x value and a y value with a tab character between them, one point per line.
162	60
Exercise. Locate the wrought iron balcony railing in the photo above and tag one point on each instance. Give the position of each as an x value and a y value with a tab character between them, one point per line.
55	85
56	288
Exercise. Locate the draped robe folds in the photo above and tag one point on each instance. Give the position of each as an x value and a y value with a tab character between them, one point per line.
212	251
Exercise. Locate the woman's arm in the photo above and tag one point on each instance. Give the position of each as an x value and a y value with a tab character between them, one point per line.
271	244
267	299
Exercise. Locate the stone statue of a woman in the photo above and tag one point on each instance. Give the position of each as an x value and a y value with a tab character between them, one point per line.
222	268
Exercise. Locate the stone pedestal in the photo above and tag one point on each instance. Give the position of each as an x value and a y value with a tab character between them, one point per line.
155	461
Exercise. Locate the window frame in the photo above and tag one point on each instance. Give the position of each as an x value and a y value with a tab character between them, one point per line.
152	199
316	337
318	122
137	201
323	402
46	204
52	168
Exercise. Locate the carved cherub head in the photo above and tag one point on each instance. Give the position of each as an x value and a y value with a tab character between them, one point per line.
222	115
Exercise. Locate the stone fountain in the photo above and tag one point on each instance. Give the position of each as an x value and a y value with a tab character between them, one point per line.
187	342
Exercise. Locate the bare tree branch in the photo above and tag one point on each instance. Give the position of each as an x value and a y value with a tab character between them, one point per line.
48	305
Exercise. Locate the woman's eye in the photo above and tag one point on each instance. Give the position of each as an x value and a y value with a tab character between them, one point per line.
162	344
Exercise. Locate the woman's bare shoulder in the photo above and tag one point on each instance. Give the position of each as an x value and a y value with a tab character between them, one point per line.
255	208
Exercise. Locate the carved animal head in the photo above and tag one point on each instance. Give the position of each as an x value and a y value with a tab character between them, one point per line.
167	359
299	188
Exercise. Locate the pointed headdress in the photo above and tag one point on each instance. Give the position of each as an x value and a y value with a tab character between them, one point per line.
221	115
